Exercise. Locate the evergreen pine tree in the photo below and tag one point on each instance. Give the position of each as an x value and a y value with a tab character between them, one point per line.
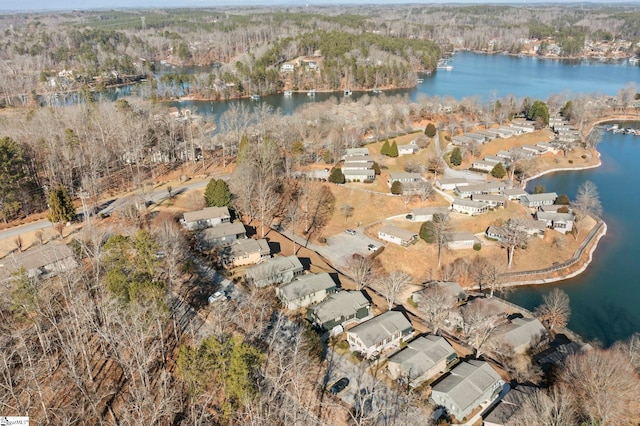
217	194
498	171
456	157
396	188
60	205
385	147
336	175
393	150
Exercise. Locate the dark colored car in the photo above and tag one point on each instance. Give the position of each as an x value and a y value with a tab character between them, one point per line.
339	386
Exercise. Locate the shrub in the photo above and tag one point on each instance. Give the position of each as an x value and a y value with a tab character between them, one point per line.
570	161
477	246
584	156
396	188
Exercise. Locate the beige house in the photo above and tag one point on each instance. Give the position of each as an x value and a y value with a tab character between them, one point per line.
246	252
386	331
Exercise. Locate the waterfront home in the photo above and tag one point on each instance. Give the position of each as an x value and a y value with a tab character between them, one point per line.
492	200
548	147
535	149
422	359
461	240
280	269
405	178
501	413
495	160
356	152
43	261
497	233
306	290
410	148
514	193
360	175
384	332
489	135
449	184
340	309
397	235
425	214
561	222
221	235
537	200
453	292
480	188
520	335
246	251
470	384
472	208
205	218
556	208
532	227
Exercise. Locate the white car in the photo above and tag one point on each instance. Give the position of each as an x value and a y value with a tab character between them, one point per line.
218	295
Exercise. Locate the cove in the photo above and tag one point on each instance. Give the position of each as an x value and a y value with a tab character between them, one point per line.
605	299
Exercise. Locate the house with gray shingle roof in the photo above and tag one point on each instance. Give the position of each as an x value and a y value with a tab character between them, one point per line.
354	152
503	411
514	193
206	218
386	331
306	290
461	240
246	251
397	235
422	359
221	235
405	178
521	334
42	261
352	175
493	200
340	309
536	200
469	207
469	385
561	222
425	214
280	269
449	184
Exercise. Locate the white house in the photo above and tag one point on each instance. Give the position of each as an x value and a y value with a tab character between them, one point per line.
410	148
449	184
405	178
480	188
460	140
514	193
422	359
493	200
360	175
42	261
287	67
461	240
425	214
397	235
356	152
561	222
483	165
357	165
306	290
469	385
469	207
476	137
386	331
206	218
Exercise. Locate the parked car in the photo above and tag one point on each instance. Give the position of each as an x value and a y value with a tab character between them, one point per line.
218	295
350	231
339	386
372	247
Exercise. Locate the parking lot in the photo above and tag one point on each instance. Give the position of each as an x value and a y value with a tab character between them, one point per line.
342	246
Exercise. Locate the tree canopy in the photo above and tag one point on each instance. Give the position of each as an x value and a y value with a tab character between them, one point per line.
217	194
539	111
61	207
456	156
336	175
498	171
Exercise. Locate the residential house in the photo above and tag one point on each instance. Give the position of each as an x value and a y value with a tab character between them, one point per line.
422	359
460	140
426	214
360	175
306	290
246	251
537	200
521	334
483	165
476	137
221	235
504	154
452	290
357	165
561	222
532	227
469	385
205	218
43	261
340	309
469	207
488	134
524	126
549	147
514	193
311	65
504	410
386	331
277	270
495	160
356	152
405	178
449	184
287	67
504	132
535	149
480	188
461	240
556	208
492	200
397	235
410	148
360	158
497	233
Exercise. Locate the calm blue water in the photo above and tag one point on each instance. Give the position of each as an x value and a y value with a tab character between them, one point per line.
605	299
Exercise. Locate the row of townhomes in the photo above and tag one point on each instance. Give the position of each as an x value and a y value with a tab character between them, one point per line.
358	165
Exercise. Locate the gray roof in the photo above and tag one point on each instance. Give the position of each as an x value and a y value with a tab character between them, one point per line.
207	213
357	165
248	246
358	158
306	285
379	328
453	181
342	303
467	382
553	208
351	152
425	211
460	236
509	404
539	197
422	354
556	217
469	203
405	176
521	331
274	266
398	232
222	230
359	172
514	191
487	197
35	258
483	187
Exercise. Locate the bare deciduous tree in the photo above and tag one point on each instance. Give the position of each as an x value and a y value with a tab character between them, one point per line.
435	304
555	310
587	203
554	407
361	269
480	322
390	286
